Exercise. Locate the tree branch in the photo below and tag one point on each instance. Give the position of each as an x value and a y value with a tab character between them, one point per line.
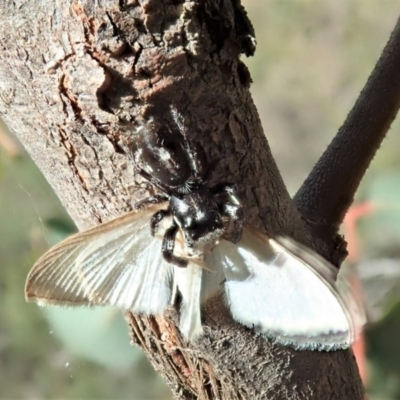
76	78
329	190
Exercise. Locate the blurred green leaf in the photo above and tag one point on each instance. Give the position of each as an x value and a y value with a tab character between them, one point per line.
98	334
384	343
382	385
380	281
58	229
380	230
384	192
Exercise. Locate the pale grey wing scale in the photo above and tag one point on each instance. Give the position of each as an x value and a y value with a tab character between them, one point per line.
117	263
128	272
54	277
271	289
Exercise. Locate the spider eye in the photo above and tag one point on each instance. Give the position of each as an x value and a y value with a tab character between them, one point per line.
189	223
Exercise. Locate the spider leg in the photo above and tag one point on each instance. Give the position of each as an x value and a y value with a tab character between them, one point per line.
225	192
156	219
229	206
143	173
156	199
168	245
235	214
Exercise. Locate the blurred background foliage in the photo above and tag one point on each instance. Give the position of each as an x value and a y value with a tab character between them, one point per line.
312	60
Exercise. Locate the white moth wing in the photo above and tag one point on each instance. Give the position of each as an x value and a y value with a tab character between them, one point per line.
189	281
117	263
273	290
352	305
324	268
213	277
196	283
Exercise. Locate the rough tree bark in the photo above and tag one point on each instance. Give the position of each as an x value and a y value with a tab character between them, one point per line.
75	75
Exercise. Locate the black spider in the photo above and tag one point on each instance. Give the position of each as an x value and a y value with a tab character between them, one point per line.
202	214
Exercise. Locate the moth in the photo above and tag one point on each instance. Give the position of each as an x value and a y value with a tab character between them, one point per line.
276	286
189	240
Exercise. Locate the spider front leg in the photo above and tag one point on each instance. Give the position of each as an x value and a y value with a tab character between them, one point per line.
156	199
229	206
168	245
156	219
235	214
225	192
